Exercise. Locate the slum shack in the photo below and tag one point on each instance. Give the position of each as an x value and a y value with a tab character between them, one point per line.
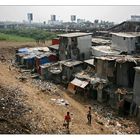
105	67
28	61
43	58
125	70
119	97
21	53
55	41
128	42
69	68
78	86
44	71
55	73
30	52
19	57
95	85
52	57
75	46
119	71
54	49
39	60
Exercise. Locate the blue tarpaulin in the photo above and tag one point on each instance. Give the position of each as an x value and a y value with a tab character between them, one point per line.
23	50
44	60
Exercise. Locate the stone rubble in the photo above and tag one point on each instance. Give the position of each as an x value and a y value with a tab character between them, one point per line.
119	125
46	86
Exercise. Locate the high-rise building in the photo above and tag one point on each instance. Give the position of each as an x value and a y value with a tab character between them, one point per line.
73	18
30	17
53	17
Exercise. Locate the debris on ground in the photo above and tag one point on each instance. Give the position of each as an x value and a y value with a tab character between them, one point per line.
60	102
46	86
119	125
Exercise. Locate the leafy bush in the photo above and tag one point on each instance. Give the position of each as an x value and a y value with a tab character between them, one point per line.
7	37
36	34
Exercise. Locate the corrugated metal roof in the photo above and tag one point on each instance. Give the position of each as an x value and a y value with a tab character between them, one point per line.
121	58
30	56
106	58
129	34
45	49
101	40
71	63
90	61
106	49
79	83
46	54
77	34
46	65
56	47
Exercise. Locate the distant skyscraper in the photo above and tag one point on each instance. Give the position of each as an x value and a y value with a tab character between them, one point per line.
96	21
30	17
44	22
53	17
73	18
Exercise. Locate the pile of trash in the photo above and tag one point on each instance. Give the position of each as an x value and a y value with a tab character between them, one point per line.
46	86
12	110
60	102
118	125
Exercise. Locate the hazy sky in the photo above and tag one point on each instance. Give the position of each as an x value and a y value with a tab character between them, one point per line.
42	13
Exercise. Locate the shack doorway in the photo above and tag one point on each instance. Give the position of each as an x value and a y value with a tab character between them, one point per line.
93	94
126	107
105	95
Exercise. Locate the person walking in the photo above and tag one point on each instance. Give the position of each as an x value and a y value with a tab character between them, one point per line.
89	116
67	120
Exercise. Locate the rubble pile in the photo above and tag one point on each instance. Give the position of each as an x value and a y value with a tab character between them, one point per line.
12	109
110	119
46	86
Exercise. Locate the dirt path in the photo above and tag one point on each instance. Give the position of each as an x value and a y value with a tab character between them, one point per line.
49	113
36	111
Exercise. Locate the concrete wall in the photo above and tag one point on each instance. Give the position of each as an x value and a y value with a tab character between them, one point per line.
104	68
62	48
101	68
84	45
127	45
137	88
69	71
125	74
122	75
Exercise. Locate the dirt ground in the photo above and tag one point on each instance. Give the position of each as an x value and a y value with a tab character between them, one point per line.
27	109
